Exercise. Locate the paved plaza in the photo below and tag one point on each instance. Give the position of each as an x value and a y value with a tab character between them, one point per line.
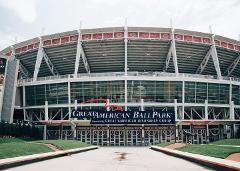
114	159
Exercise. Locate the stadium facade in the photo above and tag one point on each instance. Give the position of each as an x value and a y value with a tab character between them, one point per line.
194	74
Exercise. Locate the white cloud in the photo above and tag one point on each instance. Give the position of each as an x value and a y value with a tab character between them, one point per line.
24	9
9	39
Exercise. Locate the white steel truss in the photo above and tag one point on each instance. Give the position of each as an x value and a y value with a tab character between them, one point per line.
49	64
233	65
125	63
40	55
80	52
172	53
24	71
213	53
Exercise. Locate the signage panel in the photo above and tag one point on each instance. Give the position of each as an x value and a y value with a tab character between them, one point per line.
125	117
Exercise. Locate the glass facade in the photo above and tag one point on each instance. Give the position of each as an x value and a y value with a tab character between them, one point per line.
150	91
196	92
53	93
236	94
154	91
112	90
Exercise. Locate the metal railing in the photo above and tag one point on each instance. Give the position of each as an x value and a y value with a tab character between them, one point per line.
120	74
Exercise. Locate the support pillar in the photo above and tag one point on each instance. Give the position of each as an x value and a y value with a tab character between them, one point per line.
126	98
45	132
175	109
46	111
231	110
206	109
143	131
46	120
69	101
143	135
207	136
142	104
75	104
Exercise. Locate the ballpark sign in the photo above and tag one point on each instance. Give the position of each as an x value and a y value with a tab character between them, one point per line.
125	117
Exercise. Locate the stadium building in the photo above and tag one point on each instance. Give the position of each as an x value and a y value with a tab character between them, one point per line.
60	82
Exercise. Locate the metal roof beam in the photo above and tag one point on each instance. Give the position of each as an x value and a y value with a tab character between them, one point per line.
38	60
204	62
213	53
80	52
231	67
24	70
40	55
49	63
215	59
172	53
168	58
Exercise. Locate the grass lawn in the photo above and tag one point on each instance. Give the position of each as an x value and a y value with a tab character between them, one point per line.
164	144
66	144
14	149
210	150
227	142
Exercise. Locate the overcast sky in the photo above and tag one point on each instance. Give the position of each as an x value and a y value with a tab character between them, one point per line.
26	19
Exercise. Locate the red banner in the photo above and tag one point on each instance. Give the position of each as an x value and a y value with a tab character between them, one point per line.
217	42
197	39
86	36
107	35
230	46
73	38
178	36
97	36
47	42
206	40
165	36
56	41
64	39
188	38
143	35
30	47
133	34
118	34
224	44
154	35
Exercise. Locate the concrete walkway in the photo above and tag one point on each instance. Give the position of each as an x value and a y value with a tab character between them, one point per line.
222	164
16	161
237	146
114	159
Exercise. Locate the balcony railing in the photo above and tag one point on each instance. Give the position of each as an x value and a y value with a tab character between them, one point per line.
120	74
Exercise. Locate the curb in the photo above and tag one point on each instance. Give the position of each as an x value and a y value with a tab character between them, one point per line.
17	161
215	163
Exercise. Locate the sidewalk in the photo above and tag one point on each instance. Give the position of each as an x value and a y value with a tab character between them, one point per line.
216	163
16	161
225	145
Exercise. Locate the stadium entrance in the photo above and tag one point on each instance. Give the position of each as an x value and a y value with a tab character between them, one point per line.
141	135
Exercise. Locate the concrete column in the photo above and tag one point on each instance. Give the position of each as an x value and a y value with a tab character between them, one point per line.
142	104
231	110
206	109
125	95
44	132
176	132
108	102
46	111
45	119
69	100
207	129
143	135
175	109
183	100
108	135
75	104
